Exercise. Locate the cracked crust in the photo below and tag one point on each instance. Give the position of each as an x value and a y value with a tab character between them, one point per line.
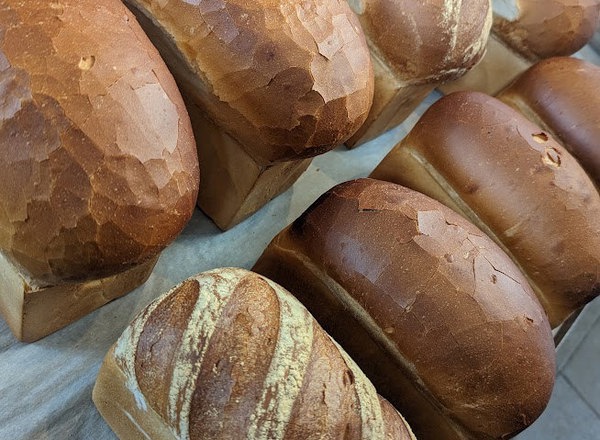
285	79
98	169
434	312
230	354
538	29
558	94
514	181
426	41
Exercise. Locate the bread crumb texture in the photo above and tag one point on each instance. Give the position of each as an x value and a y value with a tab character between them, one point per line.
98	168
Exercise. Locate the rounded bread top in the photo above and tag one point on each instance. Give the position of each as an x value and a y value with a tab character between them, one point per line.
426	41
540	29
98	166
526	188
454	307
230	354
287	79
559	93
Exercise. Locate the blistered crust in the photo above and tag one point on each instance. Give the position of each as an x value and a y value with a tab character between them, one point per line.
229	354
286	79
560	95
447	303
426	41
98	169
540	29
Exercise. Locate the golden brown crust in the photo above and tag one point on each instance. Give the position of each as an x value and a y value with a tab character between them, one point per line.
559	95
241	358
436	294
540	29
517	183
426	42
98	171
285	79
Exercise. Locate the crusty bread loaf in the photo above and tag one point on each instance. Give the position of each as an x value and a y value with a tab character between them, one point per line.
526	31
437	316
559	95
229	354
98	169
271	82
515	182
538	29
415	46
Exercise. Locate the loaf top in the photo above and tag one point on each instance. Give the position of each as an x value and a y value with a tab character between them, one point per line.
441	296
523	185
230	354
426	41
98	167
287	79
540	29
561	94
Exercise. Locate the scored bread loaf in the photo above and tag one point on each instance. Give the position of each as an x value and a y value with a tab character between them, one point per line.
268	84
527	31
416	46
513	180
559	95
436	315
98	169
230	354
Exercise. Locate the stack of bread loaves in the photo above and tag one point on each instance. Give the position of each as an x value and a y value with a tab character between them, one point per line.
416	46
98	169
268	84
527	31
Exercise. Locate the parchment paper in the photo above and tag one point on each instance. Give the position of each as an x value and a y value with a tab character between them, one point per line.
46	387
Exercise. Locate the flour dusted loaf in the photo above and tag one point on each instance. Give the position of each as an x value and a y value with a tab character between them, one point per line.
513	180
98	169
417	45
559	95
527	31
268	84
436	315
230	354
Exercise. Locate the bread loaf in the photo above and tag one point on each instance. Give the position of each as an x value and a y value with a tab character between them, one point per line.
526	31
415	46
267	82
435	314
98	170
558	94
515	182
230	354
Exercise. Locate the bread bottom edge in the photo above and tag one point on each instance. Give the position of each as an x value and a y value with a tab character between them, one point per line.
35	312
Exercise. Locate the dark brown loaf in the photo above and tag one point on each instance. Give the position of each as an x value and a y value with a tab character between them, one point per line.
98	170
230	354
415	46
426	41
432	310
559	94
513	180
286	79
539	29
